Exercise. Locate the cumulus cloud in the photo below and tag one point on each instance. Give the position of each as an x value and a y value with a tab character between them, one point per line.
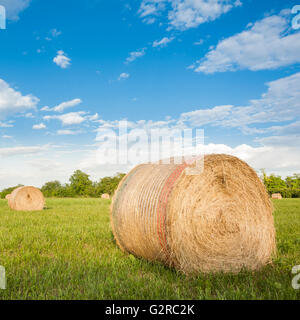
93	117
64	105
14	7
135	54
69	118
62	60
264	45
12	101
39	126
281	102
186	14
123	76
163	42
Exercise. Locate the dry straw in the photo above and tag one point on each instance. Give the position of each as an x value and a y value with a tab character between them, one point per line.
219	220
277	196
26	199
105	196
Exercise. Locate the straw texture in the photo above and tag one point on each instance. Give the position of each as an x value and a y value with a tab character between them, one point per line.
219	220
26	199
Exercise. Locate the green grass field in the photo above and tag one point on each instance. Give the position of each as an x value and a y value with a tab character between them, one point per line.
67	252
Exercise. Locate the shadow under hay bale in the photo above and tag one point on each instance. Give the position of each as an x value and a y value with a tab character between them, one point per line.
26	199
219	220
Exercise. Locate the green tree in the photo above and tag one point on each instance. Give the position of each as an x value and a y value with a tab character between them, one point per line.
275	184
7	191
81	184
109	184
293	184
288	188
51	189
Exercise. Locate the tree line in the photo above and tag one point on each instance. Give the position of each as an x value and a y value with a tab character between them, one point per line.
288	187
80	185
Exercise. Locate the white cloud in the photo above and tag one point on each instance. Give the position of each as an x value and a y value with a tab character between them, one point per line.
136	54
280	159
36	165
264	45
46	108
64	105
14	7
149	7
68	132
207	116
55	33
12	101
199	42
6	125
62	60
94	117
8	152
163	42
28	115
39	126
281	102
148	20
186	14
123	76
6	137
69	118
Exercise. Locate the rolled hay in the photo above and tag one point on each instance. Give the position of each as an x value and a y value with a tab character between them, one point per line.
219	220
26	199
105	196
277	196
7	197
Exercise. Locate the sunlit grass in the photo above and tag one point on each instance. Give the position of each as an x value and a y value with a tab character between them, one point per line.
67	252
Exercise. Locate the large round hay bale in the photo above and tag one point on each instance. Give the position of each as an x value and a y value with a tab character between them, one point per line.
219	220
26	199
105	196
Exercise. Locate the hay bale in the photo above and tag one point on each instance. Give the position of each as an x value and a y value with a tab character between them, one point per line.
276	196
105	196
26	199
7	197
219	220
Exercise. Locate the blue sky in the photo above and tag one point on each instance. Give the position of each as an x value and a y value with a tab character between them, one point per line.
228	67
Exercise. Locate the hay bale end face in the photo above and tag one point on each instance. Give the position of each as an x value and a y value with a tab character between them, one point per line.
276	196
219	220
26	199
105	196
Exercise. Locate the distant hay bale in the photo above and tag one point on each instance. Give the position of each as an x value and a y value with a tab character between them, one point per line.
7	197
219	220
276	196
26	199
105	196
